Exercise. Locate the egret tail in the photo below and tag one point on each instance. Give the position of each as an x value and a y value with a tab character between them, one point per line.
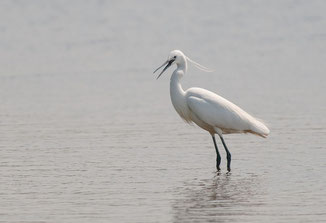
259	128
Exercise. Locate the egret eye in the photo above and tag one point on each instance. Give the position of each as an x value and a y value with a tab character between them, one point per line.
175	57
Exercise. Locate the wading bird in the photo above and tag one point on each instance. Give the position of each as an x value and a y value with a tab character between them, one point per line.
208	110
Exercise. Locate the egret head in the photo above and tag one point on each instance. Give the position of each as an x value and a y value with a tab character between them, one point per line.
177	57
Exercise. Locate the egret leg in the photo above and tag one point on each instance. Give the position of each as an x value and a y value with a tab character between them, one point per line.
228	154
218	157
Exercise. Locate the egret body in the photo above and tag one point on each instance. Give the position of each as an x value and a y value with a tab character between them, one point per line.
208	110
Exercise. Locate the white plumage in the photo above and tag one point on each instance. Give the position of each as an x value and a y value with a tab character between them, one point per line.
221	113
208	110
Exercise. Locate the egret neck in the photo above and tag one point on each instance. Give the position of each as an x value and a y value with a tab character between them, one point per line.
177	94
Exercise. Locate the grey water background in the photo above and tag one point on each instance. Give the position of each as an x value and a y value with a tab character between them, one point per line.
87	134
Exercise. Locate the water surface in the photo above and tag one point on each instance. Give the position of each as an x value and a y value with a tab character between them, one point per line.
89	135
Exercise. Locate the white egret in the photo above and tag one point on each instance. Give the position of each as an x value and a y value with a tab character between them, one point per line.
208	110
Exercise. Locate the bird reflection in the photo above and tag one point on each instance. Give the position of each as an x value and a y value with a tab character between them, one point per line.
222	198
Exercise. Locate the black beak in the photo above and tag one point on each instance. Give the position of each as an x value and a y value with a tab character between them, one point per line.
168	62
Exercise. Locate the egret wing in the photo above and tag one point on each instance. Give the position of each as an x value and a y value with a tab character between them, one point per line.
217	111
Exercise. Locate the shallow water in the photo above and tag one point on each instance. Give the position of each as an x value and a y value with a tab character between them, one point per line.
89	135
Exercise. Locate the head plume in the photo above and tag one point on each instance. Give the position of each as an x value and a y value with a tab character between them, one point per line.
199	66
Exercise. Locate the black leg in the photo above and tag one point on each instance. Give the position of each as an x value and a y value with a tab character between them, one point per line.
218	157
228	154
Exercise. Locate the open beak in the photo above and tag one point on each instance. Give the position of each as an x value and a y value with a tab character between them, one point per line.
168	62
